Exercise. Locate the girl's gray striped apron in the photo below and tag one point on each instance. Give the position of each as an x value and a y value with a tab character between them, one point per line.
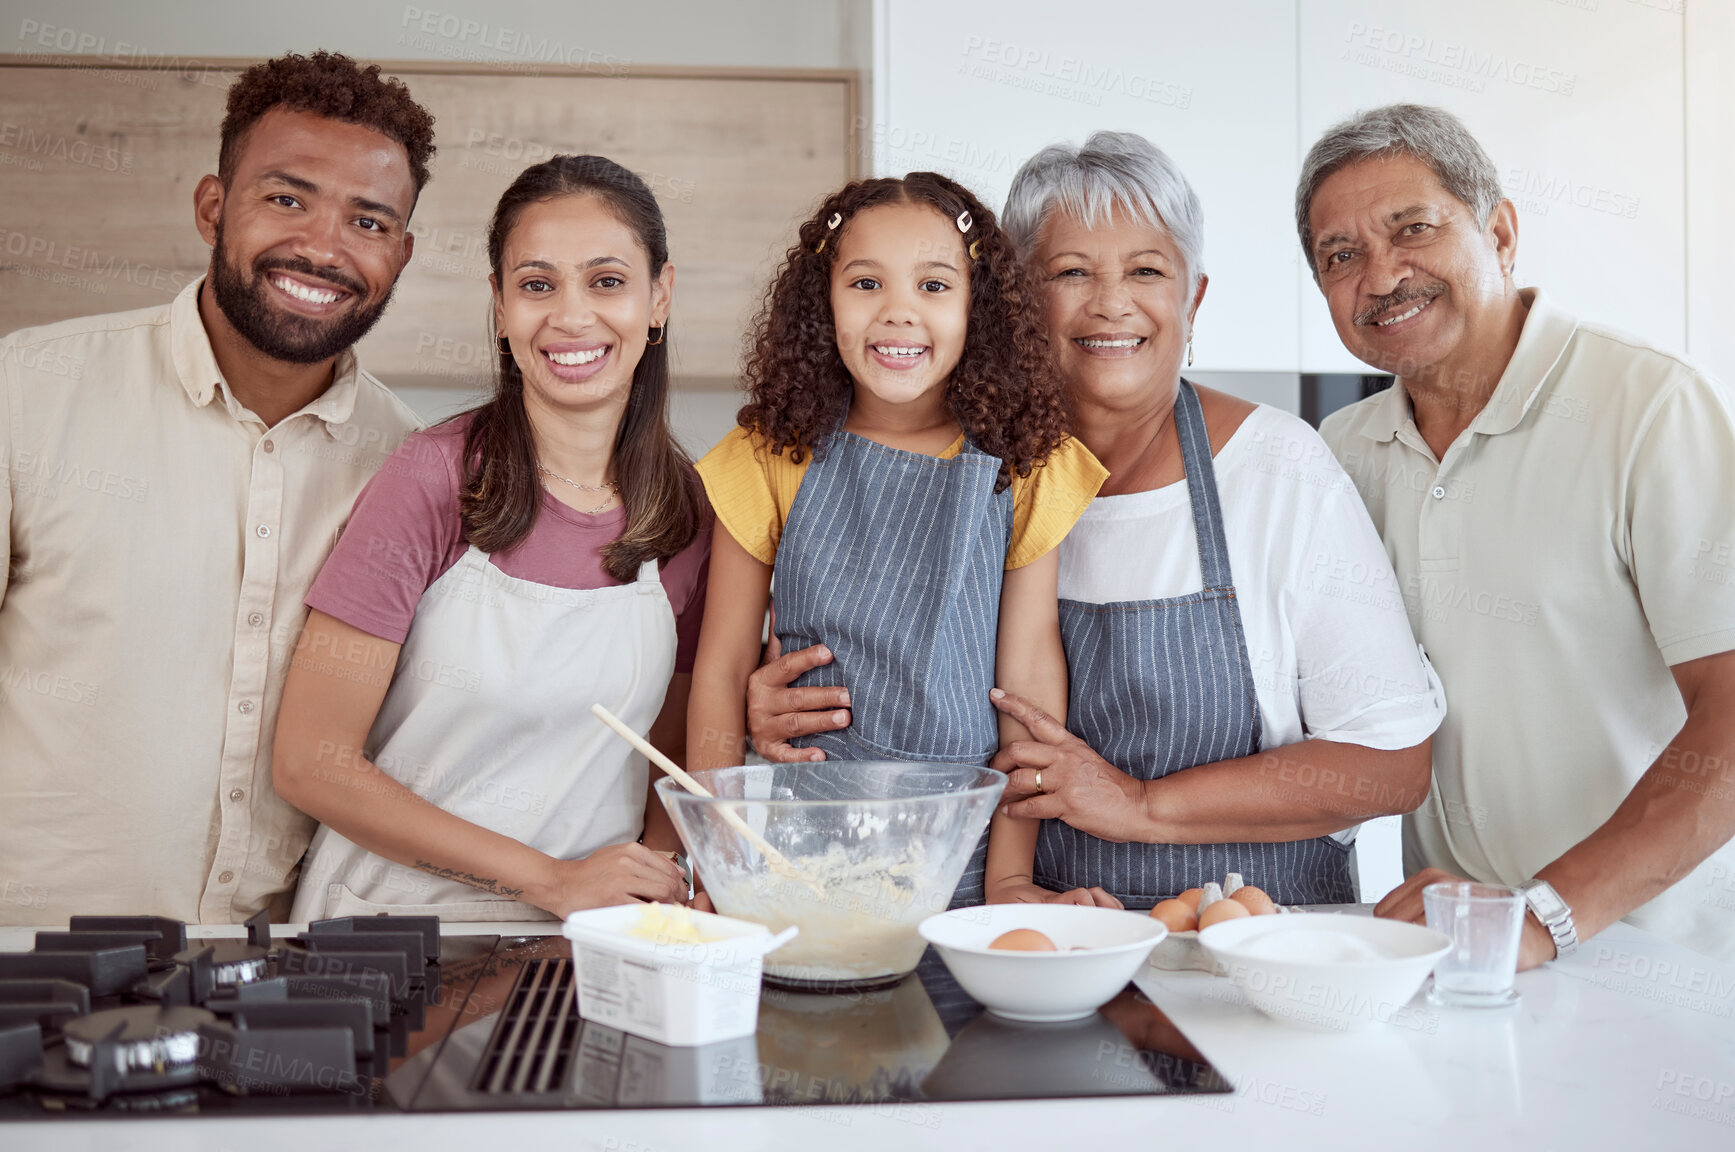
1158	686
894	560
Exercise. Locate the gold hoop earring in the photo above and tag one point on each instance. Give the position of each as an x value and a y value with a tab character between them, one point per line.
661	329
505	346
1189	351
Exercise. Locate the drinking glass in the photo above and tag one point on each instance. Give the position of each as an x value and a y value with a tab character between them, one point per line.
1484	923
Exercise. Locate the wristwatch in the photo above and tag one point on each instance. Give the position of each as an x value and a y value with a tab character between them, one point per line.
686	867
1554	914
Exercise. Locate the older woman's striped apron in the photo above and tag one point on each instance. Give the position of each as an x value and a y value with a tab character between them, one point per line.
1158	686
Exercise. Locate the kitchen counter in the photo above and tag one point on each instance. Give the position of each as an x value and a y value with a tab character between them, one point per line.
1629	1045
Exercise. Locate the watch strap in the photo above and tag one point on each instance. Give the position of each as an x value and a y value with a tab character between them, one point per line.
1554	914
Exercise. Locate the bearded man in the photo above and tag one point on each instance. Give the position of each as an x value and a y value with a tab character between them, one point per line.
172	481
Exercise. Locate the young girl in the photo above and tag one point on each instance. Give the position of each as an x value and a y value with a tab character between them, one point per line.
507	569
904	470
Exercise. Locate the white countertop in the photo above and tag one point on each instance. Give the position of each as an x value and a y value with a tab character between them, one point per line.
1628	1045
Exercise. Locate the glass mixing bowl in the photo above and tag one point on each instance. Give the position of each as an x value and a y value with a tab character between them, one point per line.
884	843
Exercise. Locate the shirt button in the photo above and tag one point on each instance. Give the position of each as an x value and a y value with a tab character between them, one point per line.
236	794
1439	491
244	707
269	446
225	877
264	531
256	619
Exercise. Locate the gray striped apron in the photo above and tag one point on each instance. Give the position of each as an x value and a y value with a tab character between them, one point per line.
894	560
1158	686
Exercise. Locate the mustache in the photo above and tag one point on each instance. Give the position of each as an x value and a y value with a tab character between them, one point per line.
303	267
1402	296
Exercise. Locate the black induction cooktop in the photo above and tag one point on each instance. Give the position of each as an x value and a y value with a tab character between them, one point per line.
383	1015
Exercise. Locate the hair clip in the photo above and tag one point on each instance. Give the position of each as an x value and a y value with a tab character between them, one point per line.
965	220
830	227
975	248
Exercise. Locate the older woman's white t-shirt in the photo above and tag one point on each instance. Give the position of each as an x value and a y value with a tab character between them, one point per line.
1328	639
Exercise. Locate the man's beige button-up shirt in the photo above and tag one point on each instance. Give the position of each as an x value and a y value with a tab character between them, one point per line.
1575	541
159	541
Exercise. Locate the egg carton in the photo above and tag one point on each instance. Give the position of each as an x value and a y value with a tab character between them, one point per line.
1182	952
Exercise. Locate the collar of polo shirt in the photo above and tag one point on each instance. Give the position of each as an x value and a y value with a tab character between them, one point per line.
1543	340
196	365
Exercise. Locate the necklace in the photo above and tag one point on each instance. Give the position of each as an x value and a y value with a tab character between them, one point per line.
609	488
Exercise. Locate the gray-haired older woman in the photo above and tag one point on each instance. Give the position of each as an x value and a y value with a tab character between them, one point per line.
1245	687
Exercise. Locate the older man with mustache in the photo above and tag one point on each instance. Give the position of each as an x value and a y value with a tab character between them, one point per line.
1558	500
173	478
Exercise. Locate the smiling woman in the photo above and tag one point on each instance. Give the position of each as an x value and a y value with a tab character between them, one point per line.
539	554
1220	667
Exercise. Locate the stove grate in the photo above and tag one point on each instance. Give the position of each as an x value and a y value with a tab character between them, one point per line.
532	1047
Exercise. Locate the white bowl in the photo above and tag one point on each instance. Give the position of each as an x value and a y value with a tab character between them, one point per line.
1043	986
1324	971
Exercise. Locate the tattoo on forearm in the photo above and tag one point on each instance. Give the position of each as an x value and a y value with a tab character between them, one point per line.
485	883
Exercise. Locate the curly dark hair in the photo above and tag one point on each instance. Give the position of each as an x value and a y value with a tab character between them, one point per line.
332	85
1004	391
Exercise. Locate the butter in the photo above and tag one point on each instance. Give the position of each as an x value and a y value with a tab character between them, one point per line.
668	924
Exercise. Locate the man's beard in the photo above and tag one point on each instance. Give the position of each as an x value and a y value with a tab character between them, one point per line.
280	334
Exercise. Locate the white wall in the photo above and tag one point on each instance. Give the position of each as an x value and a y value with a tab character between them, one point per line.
1212	84
1710	181
1582	104
739	33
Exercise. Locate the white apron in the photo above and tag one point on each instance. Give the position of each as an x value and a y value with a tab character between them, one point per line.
488	717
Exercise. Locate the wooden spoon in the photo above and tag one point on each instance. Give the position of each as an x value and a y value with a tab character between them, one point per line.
778	861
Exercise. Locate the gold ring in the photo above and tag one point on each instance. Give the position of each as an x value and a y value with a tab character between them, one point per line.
1039	779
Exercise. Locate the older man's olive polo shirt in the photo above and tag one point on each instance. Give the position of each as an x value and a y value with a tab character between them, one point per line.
1576	541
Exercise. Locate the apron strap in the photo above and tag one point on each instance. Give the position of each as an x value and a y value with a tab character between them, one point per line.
648	572
1202	488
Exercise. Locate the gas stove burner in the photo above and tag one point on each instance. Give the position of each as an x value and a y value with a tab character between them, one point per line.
142	1038
233	962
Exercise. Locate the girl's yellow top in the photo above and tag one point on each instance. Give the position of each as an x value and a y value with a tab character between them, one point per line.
752	490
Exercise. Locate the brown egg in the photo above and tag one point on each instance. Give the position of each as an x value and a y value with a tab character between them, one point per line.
1191	898
1255	899
1178	915
1222	910
1023	940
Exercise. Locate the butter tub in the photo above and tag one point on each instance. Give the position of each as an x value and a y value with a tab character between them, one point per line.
662	986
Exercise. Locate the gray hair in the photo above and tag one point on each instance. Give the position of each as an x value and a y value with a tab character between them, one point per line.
1432	135
1111	170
